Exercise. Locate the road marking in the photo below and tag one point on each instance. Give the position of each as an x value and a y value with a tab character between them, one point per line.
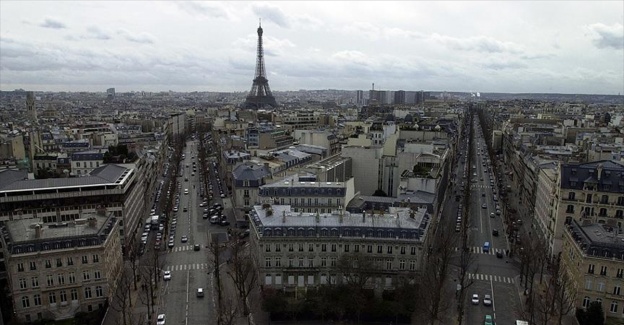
188	277
491	278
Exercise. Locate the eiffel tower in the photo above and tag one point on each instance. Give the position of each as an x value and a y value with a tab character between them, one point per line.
260	95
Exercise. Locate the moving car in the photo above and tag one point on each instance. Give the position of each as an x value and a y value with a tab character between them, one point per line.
167	275
200	292
475	299
487	300
160	320
184	239
488	320
196	247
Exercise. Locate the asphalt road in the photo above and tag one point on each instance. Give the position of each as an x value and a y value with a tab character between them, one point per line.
490	274
191	269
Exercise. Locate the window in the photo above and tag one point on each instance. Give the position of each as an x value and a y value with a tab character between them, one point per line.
61	279
616	290
63	295
323	247
72	277
22	283
346	248
59	262
413	250
369	248
389	249
356	248
25	302
401	264
333	261
603	212
52	297
333	247
600	286
267	248
37	299
388	264
620	273
85	275
603	270
33	266
291	247
412	265
571	195
300	261
48	264
97	275
310	247
379	249
310	262
290	262
74	294
323	261
301	247
35	282
588	284
614	307
20	267
98	291
267	262
585	302
570	208
96	258
278	262
278	248
590	269
402	249
85	260
70	261
87	292
50	280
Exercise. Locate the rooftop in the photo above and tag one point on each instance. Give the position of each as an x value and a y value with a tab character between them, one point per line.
597	240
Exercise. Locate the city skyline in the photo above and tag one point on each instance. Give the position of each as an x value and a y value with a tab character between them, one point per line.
514	47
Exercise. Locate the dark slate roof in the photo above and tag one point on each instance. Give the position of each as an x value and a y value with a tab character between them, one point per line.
103	175
250	172
576	176
87	156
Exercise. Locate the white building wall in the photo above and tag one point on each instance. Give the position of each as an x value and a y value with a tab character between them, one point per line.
365	167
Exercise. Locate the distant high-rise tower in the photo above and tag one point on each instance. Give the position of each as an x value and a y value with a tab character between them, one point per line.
260	95
30	107
110	93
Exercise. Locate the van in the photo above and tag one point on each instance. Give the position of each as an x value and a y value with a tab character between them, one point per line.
486	247
200	292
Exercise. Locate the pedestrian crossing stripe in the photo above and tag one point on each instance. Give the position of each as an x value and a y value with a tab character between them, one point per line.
186	267
479	250
489	277
182	248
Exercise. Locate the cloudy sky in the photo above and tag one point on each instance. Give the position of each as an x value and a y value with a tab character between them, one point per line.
519	46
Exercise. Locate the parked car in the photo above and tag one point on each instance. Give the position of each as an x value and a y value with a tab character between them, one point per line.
487	300
160	320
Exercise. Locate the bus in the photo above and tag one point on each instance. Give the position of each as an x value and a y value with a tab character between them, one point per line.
154	222
486	247
522	322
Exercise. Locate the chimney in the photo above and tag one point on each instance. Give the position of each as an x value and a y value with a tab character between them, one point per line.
38	231
363	216
92	222
599	171
341	214
284	216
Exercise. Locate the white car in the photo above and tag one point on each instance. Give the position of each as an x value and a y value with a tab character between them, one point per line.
167	275
160	320
487	300
475	299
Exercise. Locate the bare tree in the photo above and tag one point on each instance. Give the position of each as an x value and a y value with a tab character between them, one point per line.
215	250
242	271
436	298
122	298
466	261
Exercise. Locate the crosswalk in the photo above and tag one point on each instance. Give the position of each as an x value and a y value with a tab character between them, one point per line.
185	267
479	250
480	186
489	277
182	248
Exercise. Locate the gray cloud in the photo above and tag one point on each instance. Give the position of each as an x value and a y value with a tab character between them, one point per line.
477	43
204	9
52	23
142	38
94	32
271	13
608	36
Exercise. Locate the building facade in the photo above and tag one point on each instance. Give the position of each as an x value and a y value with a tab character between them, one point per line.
593	256
298	250
58	269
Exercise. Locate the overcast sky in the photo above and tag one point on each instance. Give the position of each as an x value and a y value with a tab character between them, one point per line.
519	46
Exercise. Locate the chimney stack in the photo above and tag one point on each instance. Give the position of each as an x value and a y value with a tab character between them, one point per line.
92	222
38	231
